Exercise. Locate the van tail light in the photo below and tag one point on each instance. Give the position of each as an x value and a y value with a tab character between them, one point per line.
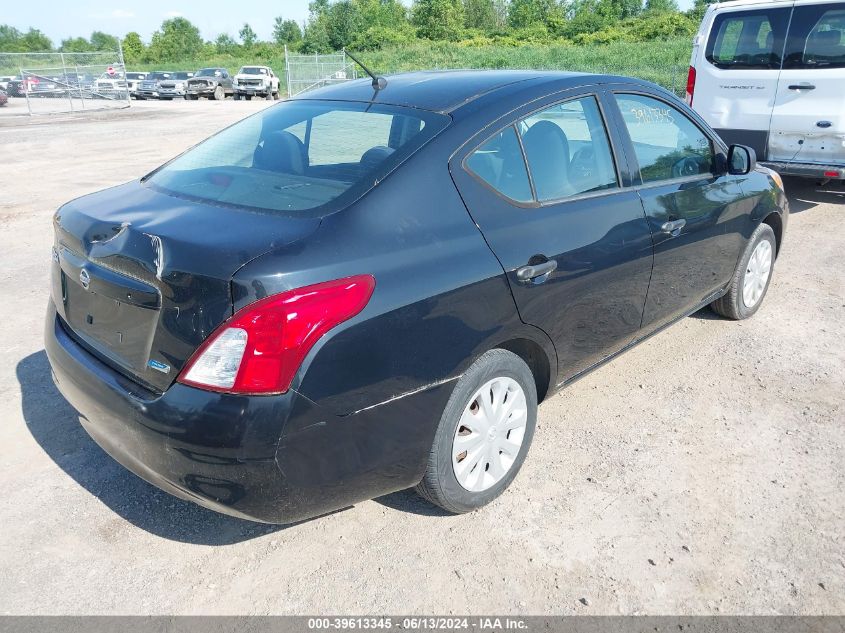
260	348
690	86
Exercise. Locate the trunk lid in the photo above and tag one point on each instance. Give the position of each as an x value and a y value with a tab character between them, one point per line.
141	278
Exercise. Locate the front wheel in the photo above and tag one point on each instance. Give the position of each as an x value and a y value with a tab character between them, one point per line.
484	434
219	94
752	276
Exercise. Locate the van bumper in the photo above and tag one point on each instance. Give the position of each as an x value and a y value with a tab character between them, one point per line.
807	170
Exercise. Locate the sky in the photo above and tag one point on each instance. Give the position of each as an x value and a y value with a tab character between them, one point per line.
118	17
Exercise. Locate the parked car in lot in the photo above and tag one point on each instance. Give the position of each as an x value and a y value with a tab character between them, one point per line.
4	98
133	82
256	81
389	280
213	83
166	85
770	75
4	81
15	87
111	86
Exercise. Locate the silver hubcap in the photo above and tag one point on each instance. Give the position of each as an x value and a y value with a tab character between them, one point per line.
489	434
757	274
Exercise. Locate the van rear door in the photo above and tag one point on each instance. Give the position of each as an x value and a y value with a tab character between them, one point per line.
808	119
737	74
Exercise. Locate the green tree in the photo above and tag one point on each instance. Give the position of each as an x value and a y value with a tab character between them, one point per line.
286	32
75	45
480	14
247	35
438	19
133	48
530	13
343	22
316	38
177	40
34	41
225	44
699	7
10	38
103	41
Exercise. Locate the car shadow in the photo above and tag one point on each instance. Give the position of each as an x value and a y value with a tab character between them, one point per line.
410	502
805	193
55	426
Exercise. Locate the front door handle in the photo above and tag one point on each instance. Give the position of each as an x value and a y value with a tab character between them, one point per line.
802	87
533	272
673	227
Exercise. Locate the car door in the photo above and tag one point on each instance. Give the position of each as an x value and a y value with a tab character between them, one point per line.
737	77
808	119
547	191
698	216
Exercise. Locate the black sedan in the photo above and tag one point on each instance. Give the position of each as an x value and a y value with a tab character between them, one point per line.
371	287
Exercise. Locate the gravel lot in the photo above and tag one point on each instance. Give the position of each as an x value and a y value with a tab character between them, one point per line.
700	473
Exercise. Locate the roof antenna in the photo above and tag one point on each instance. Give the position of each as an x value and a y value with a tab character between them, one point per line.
379	83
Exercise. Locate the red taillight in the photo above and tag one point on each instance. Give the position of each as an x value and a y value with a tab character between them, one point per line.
260	348
690	86
831	174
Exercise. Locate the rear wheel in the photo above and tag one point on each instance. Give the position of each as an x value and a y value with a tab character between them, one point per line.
484	434
752	276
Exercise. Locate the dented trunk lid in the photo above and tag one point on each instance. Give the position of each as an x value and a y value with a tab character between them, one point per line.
141	278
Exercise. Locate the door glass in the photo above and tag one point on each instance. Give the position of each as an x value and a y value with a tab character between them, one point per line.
567	150
747	39
666	143
817	37
499	163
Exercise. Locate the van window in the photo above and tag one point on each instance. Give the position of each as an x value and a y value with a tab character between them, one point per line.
816	37
747	39
500	164
567	150
666	143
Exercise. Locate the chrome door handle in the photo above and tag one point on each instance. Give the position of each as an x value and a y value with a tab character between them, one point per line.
673	227
533	271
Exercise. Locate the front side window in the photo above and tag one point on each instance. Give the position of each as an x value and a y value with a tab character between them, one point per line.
816	37
567	150
747	39
500	164
300	157
667	144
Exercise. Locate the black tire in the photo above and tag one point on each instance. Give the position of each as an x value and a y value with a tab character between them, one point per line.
276	96
236	97
219	94
268	96
248	97
439	485
732	304
193	97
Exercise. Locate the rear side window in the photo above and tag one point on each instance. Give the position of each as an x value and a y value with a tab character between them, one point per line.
816	37
747	39
500	164
567	150
301	157
666	143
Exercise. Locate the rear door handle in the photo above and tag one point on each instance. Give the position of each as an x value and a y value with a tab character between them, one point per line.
673	227
533	271
802	87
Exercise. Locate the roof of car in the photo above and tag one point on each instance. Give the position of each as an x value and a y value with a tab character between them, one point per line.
441	90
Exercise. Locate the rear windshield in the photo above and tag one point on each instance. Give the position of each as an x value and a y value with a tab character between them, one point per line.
299	157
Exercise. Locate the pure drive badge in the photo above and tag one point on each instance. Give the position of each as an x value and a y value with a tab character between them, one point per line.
159	366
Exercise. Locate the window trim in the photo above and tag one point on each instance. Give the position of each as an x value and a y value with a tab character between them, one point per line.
634	161
539	204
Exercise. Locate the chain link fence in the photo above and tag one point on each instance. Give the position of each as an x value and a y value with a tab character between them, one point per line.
306	72
54	83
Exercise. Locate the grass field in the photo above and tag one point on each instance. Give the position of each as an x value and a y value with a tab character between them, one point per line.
663	62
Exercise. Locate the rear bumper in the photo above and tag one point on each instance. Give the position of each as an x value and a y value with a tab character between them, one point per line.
807	170
275	459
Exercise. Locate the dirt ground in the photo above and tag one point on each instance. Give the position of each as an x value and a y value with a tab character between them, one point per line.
701	473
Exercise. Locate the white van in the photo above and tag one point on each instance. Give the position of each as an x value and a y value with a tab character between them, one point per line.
771	75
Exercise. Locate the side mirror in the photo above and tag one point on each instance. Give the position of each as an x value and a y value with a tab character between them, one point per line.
741	160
